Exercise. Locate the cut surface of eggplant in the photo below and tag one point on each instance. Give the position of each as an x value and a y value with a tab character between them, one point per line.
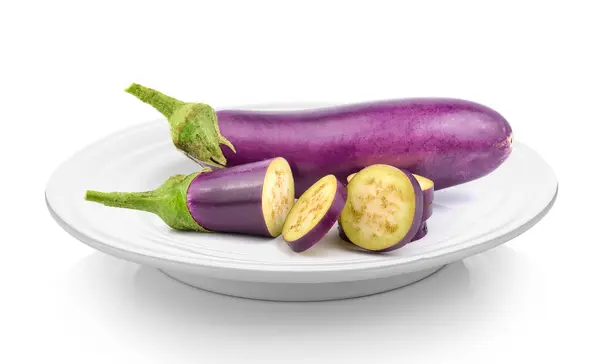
315	212
277	195
384	208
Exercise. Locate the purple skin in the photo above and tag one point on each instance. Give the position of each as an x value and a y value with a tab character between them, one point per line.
230	200
417	218
421	233
324	225
428	196
427	211
449	141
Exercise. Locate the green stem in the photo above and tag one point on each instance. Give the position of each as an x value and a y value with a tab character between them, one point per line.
194	126
143	201
166	105
169	201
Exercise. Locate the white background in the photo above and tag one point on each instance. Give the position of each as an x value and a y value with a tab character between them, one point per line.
64	66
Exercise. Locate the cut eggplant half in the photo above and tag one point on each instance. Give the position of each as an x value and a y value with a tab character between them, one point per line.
384	208
426	185
315	212
252	198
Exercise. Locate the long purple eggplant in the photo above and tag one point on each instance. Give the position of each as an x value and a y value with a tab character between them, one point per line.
252	199
449	141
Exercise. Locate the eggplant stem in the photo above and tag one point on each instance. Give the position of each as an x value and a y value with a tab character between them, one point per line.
166	105
143	201
194	125
169	201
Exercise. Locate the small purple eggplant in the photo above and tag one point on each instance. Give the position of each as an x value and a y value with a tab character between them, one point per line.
252	199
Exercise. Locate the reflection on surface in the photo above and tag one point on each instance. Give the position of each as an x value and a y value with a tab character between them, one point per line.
141	305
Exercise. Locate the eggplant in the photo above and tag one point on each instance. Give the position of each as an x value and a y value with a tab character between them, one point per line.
315	212
384	208
448	141
251	199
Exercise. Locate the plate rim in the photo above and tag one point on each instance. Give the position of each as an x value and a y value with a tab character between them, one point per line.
403	266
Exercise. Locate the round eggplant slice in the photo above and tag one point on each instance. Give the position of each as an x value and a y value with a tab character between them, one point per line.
384	208
315	212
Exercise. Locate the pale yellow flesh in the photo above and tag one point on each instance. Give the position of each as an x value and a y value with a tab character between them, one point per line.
310	208
277	195
424	183
380	207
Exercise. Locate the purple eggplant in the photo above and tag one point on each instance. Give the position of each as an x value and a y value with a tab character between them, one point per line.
315	212
251	199
449	141
384	208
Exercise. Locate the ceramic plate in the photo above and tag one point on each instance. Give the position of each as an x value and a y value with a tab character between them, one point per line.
467	219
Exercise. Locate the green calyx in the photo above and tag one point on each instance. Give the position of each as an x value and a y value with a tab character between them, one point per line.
169	201
194	126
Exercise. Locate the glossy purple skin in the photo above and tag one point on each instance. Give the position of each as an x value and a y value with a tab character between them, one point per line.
427	211
417	218
324	225
449	141
428	196
421	233
230	199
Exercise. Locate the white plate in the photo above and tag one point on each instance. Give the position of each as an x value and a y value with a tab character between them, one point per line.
467	220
